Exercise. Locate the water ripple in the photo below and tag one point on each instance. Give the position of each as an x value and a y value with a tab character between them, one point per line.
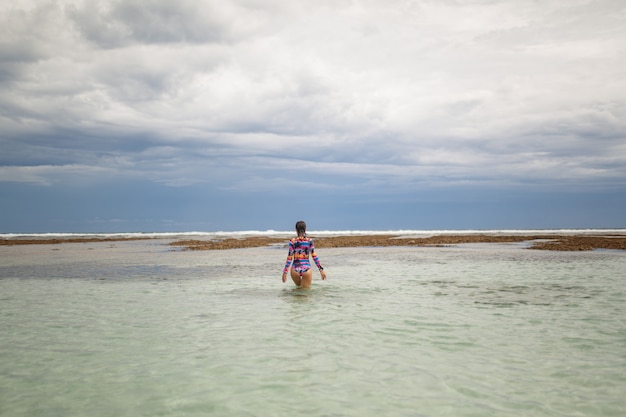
402	332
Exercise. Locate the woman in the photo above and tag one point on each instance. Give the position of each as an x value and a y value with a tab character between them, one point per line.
300	248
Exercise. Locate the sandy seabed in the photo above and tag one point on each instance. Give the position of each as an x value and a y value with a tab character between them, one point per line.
541	242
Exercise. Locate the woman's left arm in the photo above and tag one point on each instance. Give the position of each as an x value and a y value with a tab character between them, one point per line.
316	259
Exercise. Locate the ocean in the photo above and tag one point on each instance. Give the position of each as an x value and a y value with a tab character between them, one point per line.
140	328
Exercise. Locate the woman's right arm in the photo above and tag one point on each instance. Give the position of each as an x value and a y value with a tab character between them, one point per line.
289	260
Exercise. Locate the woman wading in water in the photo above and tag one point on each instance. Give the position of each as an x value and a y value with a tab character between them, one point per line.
300	248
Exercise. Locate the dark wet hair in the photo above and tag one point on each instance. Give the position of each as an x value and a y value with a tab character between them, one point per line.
301	228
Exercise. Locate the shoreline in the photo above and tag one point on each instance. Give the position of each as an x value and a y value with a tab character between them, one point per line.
556	242
60	240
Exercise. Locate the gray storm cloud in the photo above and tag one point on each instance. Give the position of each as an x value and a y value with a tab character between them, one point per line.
382	91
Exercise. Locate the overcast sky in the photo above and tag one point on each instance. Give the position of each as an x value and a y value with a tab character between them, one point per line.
160	115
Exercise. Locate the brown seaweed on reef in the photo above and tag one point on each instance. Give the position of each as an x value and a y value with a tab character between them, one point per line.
582	243
540	242
228	243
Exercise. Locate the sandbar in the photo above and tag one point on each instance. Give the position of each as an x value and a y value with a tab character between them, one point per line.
540	242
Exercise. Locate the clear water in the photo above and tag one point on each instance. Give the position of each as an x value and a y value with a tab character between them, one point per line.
136	329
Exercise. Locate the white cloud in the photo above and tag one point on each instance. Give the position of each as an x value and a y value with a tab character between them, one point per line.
386	91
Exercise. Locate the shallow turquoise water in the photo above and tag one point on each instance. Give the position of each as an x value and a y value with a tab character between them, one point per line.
477	330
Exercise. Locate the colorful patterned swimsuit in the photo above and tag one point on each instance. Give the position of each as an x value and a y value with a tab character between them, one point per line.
299	250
